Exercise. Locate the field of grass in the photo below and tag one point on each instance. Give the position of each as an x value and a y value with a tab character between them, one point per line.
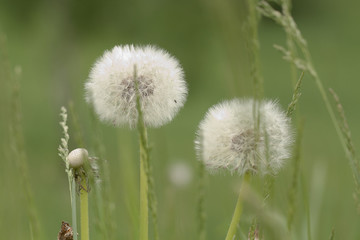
56	43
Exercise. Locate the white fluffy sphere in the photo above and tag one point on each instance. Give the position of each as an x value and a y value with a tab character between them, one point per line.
77	157
111	87
227	139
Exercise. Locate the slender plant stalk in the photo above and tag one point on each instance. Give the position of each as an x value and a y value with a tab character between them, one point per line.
144	218
238	210
80	143
332	235
293	190
252	44
73	209
305	64
19	155
99	203
201	202
84	209
76	125
144	168
146	180
306	205
63	153
104	198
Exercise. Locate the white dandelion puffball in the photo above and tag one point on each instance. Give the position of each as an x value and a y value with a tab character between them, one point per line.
227	138
160	80
77	157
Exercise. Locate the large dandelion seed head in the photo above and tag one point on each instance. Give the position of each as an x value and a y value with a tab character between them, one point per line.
228	138
160	80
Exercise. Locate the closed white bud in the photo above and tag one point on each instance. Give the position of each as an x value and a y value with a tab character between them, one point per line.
111	86
77	157
227	137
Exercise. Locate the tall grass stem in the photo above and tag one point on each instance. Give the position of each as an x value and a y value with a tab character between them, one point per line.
19	154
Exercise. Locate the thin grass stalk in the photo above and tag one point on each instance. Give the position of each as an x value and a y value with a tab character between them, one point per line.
152	198
63	153
332	234
201	202
238	210
20	155
77	129
84	209
287	5
269	178
269	220
349	142
305	64
295	98
253	46
306	205
293	190
104	197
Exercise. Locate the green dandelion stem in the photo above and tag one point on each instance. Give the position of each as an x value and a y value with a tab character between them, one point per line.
84	209
201	202
144	168
144	218
238	210
73	208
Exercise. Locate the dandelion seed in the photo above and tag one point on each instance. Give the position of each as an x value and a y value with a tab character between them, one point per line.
161	86
227	138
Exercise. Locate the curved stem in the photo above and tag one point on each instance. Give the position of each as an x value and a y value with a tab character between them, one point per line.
238	210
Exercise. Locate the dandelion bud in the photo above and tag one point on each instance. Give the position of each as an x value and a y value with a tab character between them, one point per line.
111	87
77	157
228	138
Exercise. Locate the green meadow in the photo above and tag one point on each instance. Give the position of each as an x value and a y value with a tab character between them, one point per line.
47	49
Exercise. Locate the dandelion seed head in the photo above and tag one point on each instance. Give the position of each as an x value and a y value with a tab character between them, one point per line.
160	79
180	174
77	157
227	137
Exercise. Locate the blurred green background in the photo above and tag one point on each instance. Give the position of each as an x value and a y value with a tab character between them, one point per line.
56	43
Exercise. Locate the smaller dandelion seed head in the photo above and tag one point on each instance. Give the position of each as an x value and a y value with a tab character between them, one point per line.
111	87
180	174
77	157
228	138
